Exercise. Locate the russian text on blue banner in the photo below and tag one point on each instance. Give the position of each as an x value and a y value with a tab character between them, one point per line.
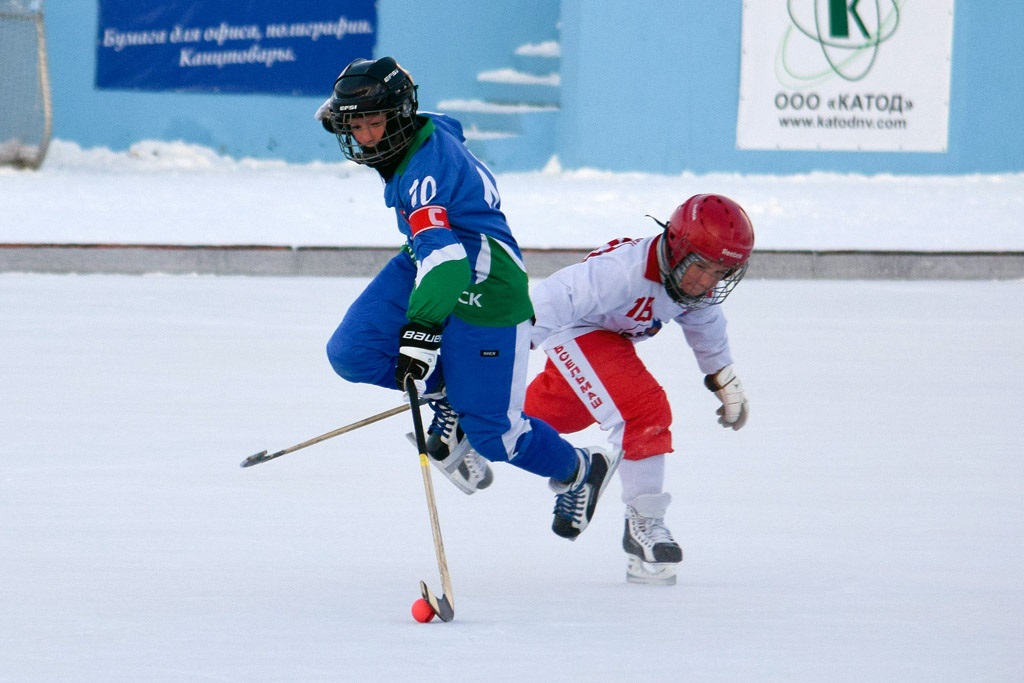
296	47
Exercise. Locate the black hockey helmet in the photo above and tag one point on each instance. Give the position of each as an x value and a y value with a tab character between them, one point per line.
374	86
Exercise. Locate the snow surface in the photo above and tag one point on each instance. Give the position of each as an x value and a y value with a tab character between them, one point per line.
867	524
548	48
173	193
519	77
483	106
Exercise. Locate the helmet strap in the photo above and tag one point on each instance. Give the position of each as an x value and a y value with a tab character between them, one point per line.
664	226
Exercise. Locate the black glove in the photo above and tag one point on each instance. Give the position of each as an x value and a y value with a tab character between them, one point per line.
418	348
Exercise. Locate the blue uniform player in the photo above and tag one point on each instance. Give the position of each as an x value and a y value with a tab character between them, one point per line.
451	310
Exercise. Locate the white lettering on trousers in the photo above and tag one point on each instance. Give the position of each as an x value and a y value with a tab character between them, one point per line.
583	384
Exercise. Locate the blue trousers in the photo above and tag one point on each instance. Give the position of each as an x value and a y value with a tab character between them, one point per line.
484	370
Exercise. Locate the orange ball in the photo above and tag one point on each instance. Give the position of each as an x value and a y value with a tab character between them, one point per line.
422	611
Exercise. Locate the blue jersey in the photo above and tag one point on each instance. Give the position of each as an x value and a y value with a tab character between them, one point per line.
460	268
448	207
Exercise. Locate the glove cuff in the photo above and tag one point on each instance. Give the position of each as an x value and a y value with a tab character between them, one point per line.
418	334
720	379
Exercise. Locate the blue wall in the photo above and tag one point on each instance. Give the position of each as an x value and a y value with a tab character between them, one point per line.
618	110
239	125
444	43
615	64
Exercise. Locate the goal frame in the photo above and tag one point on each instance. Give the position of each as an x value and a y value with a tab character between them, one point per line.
25	153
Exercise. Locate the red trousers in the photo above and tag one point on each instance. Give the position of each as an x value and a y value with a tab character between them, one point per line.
598	377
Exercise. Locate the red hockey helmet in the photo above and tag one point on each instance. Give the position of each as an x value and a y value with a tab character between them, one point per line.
710	228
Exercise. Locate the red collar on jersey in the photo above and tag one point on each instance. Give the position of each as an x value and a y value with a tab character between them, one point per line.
653	271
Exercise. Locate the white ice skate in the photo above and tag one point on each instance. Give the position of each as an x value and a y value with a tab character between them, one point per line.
653	553
449	450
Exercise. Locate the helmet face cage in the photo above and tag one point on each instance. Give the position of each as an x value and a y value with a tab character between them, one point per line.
398	133
708	229
366	88
673	277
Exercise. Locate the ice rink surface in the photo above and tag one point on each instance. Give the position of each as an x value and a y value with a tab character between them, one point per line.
866	526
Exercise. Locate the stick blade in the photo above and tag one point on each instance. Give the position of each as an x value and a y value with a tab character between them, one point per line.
255	459
442	606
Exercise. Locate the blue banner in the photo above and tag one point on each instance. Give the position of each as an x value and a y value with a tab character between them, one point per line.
295	47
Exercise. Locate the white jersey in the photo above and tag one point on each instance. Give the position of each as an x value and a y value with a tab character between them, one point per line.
619	288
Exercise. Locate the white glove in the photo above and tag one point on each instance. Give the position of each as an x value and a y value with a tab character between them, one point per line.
726	386
323	115
324	110
421	389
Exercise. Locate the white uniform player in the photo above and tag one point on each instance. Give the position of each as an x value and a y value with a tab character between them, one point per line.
588	318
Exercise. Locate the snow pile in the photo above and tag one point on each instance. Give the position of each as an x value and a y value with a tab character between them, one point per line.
175	193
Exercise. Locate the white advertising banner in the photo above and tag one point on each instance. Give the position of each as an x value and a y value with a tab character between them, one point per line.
845	75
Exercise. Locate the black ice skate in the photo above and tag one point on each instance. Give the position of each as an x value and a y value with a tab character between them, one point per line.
577	499
653	553
449	449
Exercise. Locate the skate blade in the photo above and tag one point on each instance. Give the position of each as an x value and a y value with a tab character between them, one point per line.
650	574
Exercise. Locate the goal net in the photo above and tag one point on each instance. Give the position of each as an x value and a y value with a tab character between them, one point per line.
25	114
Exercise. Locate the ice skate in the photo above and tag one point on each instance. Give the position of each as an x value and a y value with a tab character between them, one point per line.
449	449
653	553
577	499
